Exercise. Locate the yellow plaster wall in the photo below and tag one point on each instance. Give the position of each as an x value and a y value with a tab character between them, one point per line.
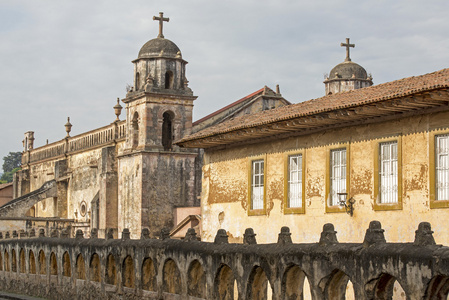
225	184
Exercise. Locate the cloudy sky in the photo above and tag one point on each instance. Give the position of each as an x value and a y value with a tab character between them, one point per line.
73	58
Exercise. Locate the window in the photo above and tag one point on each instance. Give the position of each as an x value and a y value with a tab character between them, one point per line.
388	175
294	181
442	167
256	186
337	175
169	80
167	131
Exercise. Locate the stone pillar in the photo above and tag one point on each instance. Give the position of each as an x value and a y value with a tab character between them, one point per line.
108	197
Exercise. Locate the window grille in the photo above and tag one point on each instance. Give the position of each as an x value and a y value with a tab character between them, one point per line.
337	174
388	172
442	167
257	184
295	181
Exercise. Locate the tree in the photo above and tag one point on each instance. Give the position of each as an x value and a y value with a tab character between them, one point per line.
11	164
11	161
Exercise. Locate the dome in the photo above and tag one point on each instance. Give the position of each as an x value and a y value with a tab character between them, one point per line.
347	70
154	47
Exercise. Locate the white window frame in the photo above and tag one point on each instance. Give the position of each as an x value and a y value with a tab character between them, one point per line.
388	173
257	184
295	181
338	165
442	167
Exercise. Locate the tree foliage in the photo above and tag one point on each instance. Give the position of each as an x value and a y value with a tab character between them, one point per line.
11	161
11	164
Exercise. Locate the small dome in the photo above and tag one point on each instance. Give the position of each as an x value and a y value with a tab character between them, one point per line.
155	47
347	70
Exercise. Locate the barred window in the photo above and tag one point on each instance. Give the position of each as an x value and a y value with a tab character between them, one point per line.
442	167
337	174
388	161
257	184
294	181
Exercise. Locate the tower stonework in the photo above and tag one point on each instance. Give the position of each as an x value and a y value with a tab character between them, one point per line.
347	76
155	176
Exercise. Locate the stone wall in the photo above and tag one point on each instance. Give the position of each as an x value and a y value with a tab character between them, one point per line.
64	268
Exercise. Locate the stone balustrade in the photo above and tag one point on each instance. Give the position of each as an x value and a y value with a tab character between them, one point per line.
58	267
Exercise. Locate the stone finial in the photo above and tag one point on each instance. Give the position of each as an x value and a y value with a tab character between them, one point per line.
110	234
15	234
42	232
145	234
94	233
278	90
54	233
190	235
79	234
285	237
68	127
221	237
7	236
32	233
126	234
117	110
424	235
374	234
165	234
328	235
249	237
65	234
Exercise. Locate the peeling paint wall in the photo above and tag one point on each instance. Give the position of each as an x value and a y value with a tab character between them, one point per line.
225	184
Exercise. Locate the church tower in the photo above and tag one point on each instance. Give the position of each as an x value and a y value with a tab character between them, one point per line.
347	76
154	174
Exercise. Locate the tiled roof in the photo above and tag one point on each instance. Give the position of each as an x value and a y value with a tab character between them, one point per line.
390	90
228	106
5	185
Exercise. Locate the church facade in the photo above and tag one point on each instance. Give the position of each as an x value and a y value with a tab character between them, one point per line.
130	173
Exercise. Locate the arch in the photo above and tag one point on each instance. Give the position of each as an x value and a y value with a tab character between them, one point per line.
438	288
111	270
32	262
13	261
128	273
53	264
7	265
148	275
22	265
293	283
171	277
95	270
196	280
80	267
66	267
169	80
224	283
42	263
384	287
334	285
135	130
257	284
167	130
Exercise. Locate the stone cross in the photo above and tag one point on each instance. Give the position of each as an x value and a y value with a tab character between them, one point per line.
347	45
161	20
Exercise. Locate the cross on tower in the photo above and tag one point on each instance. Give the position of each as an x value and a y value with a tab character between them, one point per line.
347	45
161	20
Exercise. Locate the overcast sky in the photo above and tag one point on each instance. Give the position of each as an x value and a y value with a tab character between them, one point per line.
73	58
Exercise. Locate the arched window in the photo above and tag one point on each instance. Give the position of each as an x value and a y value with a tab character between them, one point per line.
137	81
167	130
135	130
169	80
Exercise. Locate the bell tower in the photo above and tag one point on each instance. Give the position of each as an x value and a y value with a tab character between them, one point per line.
156	175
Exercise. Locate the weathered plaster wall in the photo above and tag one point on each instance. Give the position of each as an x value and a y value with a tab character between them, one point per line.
225	183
